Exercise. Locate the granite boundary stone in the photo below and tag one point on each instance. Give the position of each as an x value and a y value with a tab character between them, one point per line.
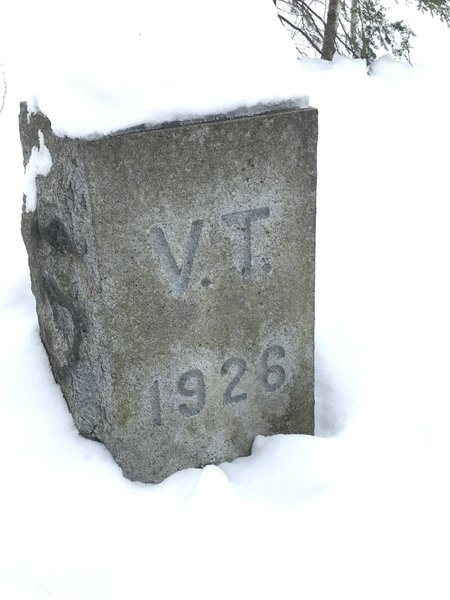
173	271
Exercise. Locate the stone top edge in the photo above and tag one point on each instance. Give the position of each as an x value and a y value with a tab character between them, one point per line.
244	112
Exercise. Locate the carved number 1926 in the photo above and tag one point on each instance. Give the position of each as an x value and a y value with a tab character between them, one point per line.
191	383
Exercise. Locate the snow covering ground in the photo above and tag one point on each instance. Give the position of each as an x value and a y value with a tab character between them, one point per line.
359	511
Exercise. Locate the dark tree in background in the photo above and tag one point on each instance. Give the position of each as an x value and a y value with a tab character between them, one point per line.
330	30
356	28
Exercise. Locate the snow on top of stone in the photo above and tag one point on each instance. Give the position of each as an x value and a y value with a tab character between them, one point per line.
156	61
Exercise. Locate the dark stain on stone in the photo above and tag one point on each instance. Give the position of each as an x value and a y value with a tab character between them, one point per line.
60	300
34	231
56	235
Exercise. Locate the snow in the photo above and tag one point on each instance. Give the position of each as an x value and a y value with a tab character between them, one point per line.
360	510
146	66
40	163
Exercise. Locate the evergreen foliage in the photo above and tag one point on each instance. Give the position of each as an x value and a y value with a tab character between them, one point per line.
361	29
436	8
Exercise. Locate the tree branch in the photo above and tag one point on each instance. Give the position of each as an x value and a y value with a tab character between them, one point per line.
313	12
349	49
303	33
307	8
4	88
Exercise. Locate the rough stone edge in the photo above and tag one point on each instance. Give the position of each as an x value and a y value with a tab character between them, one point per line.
260	108
89	373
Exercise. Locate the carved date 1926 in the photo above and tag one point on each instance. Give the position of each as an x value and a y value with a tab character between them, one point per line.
191	383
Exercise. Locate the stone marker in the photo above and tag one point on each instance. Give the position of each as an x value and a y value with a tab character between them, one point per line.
173	270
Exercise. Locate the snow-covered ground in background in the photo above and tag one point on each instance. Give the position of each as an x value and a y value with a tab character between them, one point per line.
360	511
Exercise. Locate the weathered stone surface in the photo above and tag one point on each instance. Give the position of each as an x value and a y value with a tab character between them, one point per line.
173	271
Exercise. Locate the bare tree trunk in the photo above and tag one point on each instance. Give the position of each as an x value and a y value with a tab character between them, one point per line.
329	36
353	26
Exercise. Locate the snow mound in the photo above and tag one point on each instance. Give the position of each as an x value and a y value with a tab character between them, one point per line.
389	68
155	63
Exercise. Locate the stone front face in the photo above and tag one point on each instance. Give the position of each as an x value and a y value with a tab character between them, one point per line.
174	276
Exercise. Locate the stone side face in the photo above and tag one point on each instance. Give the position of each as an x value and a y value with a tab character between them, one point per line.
64	277
174	276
